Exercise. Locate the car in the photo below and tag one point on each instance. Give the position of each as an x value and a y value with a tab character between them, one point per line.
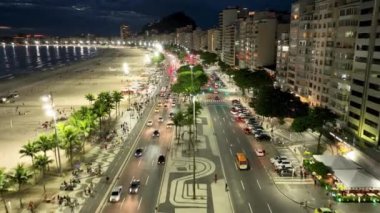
156	109
171	115
234	111
170	124
286	172
262	137
256	131
247	131
216	98
278	164
156	133
138	152
165	105
159	104
161	159
216	92
235	101
258	128
149	123
116	194
173	104
323	210
160	119
134	186
277	158
284	165
260	152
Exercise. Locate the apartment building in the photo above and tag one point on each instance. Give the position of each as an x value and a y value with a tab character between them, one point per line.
282	59
184	36
255	45
213	36
227	25
197	39
364	101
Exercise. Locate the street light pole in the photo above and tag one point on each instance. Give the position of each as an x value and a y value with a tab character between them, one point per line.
51	110
193	138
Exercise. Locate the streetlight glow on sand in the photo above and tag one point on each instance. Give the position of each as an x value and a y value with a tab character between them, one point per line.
125	68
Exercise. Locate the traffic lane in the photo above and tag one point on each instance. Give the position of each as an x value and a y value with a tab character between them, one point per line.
143	168
245	197
274	199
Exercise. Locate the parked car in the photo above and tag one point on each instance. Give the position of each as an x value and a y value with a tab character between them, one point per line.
156	133
277	158
247	131
134	186
278	163
284	165
171	115
160	119
262	137
116	194
157	109
286	172
170	124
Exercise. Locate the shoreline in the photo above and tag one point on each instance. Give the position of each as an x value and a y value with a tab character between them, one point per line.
22	120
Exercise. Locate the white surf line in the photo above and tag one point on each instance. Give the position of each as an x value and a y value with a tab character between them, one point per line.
270	210
258	183
242	185
250	207
147	179
138	207
122	203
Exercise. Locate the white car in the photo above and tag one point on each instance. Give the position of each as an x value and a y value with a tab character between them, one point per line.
159	104
279	163
156	109
275	159
284	165
116	194
260	152
160	119
169	124
173	104
149	123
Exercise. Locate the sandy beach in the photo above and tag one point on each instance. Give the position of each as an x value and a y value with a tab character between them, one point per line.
21	121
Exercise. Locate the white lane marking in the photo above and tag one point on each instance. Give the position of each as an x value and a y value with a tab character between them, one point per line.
138	165
226	140
242	184
244	152
233	131
122	202
231	152
258	183
147	179
238	140
224	119
270	210
138	207
250	207
152	162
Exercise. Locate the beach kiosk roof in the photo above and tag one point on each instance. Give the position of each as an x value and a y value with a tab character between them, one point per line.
357	179
336	162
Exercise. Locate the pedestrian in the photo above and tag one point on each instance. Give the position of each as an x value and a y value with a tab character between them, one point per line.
226	187
215	177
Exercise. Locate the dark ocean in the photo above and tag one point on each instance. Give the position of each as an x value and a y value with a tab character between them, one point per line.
15	60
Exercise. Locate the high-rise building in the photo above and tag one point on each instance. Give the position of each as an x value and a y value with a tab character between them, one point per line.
213	36
282	60
184	36
197	39
124	32
227	24
364	101
255	44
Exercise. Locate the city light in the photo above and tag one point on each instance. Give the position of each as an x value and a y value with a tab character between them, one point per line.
147	59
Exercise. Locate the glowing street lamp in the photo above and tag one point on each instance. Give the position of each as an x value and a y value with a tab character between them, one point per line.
147	59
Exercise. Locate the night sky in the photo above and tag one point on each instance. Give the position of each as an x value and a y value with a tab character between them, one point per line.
103	17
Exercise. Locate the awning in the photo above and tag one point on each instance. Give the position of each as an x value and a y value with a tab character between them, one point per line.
357	179
336	162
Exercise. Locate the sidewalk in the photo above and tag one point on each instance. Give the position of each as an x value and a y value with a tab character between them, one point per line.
98	157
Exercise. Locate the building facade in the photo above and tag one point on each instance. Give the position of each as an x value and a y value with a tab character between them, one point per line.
364	101
213	36
124	32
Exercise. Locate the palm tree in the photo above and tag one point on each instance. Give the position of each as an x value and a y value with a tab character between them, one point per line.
20	176
117	97
178	120
198	107
41	162
108	102
83	127
45	143
69	140
99	110
4	185
90	97
29	149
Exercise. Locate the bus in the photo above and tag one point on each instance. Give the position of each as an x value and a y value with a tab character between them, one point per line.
241	161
